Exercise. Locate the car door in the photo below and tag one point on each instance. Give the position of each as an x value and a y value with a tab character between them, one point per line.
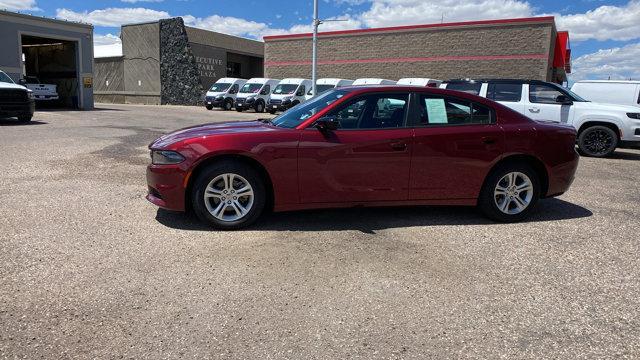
456	142
366	159
542	104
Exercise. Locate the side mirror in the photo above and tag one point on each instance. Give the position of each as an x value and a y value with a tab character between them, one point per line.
564	100
327	124
264	92
22	82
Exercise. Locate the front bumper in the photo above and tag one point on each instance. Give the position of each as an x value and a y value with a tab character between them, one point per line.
26	108
215	102
46	97
244	104
166	185
283	106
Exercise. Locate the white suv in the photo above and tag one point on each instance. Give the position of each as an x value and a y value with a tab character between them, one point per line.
601	127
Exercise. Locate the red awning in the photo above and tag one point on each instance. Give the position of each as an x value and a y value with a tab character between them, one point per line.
562	53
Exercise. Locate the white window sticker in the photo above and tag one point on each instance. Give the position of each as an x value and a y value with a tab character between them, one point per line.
437	111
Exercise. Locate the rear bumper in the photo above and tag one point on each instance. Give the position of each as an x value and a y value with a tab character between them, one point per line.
166	186
17	109
561	176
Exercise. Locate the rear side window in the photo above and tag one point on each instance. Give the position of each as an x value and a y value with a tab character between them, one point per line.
505	92
438	111
468	87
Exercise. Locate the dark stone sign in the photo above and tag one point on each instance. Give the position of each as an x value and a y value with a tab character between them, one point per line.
211	63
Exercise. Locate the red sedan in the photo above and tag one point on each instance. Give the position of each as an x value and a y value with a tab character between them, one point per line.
365	146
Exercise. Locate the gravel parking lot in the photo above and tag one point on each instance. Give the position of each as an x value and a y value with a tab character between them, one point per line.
90	269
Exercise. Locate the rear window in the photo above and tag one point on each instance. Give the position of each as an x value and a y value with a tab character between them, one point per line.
468	87
505	92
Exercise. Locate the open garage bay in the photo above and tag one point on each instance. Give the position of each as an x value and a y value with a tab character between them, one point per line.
90	267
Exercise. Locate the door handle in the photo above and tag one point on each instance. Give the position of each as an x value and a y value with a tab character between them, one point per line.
489	140
398	145
534	110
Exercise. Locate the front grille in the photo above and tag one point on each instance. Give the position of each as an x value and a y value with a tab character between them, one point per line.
240	100
275	102
13	95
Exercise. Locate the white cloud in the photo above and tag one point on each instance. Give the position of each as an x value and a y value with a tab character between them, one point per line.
106	45
112	16
617	63
604	23
18	5
137	1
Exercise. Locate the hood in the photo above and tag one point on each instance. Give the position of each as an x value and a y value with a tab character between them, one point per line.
215	93
206	130
6	85
607	107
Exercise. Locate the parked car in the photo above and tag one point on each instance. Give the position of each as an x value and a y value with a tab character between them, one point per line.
287	94
327	84
420	82
373	81
15	100
255	94
41	91
601	127
222	93
609	91
365	146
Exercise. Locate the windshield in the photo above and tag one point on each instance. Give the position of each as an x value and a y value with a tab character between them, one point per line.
320	89
5	78
219	87
299	113
285	88
251	88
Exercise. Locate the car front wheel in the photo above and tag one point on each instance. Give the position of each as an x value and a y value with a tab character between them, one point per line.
227	105
597	141
209	107
510	193
25	118
229	195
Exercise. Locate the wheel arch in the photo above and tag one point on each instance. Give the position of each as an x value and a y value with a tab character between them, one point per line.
610	124
536	164
245	159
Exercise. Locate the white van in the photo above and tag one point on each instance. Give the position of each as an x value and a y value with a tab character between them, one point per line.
255	94
288	93
609	91
222	93
323	85
424	82
373	81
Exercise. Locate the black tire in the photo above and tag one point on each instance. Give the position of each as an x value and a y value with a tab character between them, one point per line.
259	108
296	102
25	118
209	107
238	109
271	112
227	105
487	201
205	177
597	141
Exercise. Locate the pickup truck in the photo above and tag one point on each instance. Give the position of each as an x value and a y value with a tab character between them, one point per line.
601	127
15	100
41	92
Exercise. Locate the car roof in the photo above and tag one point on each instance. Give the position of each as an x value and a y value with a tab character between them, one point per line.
609	81
498	81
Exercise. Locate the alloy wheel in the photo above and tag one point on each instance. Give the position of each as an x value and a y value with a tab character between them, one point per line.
513	193
229	197
598	141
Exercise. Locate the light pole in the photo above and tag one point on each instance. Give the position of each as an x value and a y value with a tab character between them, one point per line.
314	52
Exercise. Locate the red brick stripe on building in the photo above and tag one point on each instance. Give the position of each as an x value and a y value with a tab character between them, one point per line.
409	59
412	27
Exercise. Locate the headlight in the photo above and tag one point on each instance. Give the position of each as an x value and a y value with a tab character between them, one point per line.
165	157
634	115
220	97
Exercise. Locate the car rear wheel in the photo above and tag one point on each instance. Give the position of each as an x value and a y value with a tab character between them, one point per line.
228	195
510	193
597	141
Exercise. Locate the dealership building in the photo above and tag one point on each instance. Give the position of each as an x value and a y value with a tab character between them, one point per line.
166	62
54	51
525	48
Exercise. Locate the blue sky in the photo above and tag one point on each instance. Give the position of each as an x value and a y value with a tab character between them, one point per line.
605	34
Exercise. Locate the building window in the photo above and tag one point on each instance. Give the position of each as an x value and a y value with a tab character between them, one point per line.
233	69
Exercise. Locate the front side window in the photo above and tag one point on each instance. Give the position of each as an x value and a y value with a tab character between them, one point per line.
438	111
220	87
285	89
376	111
266	90
543	94
467	87
234	88
505	92
301	91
